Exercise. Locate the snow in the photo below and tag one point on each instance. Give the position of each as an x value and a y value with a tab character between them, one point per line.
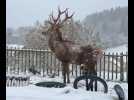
118	49
38	93
32	92
14	46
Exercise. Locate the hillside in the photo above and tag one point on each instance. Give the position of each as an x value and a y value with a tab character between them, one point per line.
111	24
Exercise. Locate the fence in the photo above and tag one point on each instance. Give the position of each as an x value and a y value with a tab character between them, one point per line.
111	67
17	81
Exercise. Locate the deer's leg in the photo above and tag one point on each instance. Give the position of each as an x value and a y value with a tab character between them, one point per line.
93	72
64	72
67	67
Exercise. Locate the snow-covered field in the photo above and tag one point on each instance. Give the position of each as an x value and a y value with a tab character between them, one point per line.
33	92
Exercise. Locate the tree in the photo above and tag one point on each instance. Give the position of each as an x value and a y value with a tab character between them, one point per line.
71	30
34	39
92	36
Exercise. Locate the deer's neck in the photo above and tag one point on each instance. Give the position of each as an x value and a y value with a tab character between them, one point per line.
54	39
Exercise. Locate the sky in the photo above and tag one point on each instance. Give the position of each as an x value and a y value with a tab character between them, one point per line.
27	12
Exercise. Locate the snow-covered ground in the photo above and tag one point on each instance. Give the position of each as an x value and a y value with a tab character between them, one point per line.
33	92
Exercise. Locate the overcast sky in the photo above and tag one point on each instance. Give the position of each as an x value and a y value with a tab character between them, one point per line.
26	12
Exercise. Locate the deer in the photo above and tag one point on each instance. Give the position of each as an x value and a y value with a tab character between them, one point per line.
66	51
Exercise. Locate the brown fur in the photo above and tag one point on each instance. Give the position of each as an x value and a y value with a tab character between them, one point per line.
67	51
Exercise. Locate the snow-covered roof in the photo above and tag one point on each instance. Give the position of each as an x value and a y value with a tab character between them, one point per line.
118	49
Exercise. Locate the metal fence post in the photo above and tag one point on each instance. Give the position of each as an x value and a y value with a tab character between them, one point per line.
121	67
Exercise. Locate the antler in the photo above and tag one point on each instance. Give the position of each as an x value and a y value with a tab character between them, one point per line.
54	21
67	17
60	13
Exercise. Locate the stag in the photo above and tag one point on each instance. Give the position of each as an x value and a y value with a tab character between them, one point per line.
67	51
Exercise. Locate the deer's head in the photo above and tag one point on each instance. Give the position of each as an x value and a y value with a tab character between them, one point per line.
55	23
